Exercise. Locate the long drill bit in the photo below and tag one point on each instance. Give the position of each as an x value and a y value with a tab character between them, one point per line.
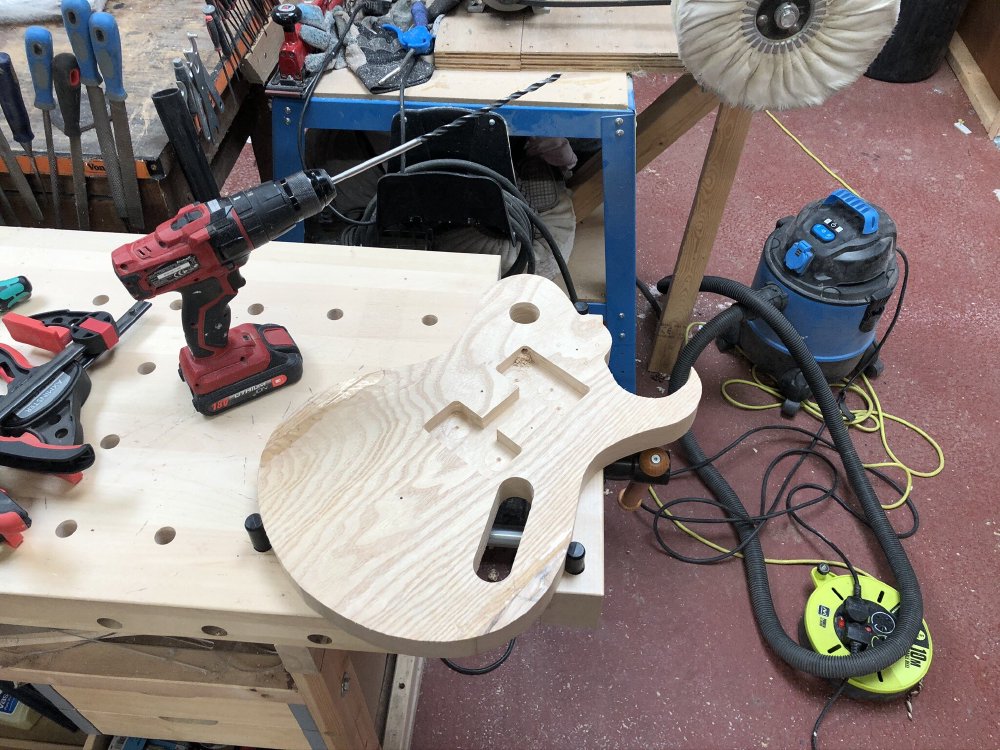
447	128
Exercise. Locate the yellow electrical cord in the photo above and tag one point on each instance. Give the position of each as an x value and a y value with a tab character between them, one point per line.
872	411
809	153
719	548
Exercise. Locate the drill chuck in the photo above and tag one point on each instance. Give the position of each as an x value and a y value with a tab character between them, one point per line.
267	211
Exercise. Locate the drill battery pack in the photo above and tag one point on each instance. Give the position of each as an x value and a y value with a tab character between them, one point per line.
258	360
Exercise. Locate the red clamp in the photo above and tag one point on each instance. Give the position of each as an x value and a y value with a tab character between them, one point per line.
54	331
13	520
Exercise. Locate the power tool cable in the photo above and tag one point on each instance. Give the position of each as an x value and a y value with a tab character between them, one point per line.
741	441
910	614
650	298
522	215
331	53
477	671
734	314
814	736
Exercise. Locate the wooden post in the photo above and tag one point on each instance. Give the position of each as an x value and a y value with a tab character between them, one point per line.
329	685
674	112
718	171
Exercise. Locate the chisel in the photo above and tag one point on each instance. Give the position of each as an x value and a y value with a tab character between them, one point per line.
107	42
38	47
76	17
16	114
20	182
221	44
66	78
238	32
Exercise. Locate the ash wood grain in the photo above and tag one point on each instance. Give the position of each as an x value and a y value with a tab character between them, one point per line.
378	495
174	468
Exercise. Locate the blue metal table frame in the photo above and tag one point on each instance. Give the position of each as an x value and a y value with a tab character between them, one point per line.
614	127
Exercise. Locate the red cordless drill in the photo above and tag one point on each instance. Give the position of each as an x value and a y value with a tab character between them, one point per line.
199	253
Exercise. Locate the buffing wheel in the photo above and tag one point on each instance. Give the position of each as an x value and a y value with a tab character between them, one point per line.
780	54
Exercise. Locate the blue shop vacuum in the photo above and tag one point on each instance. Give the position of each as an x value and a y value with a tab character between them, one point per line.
833	268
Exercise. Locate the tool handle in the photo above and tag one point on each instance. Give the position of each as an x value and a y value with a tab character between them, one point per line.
13	291
419	11
12	103
205	312
107	44
66	79
213	30
38	48
858	205
76	17
28	453
227	48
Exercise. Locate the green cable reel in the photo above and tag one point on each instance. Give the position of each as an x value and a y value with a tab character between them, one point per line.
834	620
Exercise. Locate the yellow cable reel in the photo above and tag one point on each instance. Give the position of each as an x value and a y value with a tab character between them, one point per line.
834	619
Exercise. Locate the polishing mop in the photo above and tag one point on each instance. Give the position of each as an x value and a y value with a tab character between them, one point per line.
779	54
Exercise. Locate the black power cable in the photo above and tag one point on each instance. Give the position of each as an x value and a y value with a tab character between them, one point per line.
814	737
330	54
523	217
910	617
476	671
821	442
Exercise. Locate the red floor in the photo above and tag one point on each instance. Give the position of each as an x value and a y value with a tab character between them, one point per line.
677	661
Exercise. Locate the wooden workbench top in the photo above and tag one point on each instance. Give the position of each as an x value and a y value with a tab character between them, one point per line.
152	540
585	90
567	39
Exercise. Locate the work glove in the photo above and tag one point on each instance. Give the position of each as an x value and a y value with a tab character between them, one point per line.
369	50
321	31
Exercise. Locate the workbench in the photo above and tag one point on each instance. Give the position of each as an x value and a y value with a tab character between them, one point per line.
153	34
578	105
482	57
152	543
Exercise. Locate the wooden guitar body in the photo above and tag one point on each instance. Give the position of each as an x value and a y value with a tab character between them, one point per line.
379	494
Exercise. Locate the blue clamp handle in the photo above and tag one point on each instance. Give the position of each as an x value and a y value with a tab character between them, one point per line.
419	12
107	44
858	205
76	17
38	47
418	37
12	103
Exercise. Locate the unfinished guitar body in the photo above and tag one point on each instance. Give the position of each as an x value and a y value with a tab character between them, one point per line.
379	494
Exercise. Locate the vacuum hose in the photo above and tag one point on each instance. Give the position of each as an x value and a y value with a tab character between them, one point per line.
910	615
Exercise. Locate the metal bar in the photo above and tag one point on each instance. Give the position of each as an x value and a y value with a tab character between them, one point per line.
80	198
20	181
329	113
504	537
285	155
53	168
618	156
